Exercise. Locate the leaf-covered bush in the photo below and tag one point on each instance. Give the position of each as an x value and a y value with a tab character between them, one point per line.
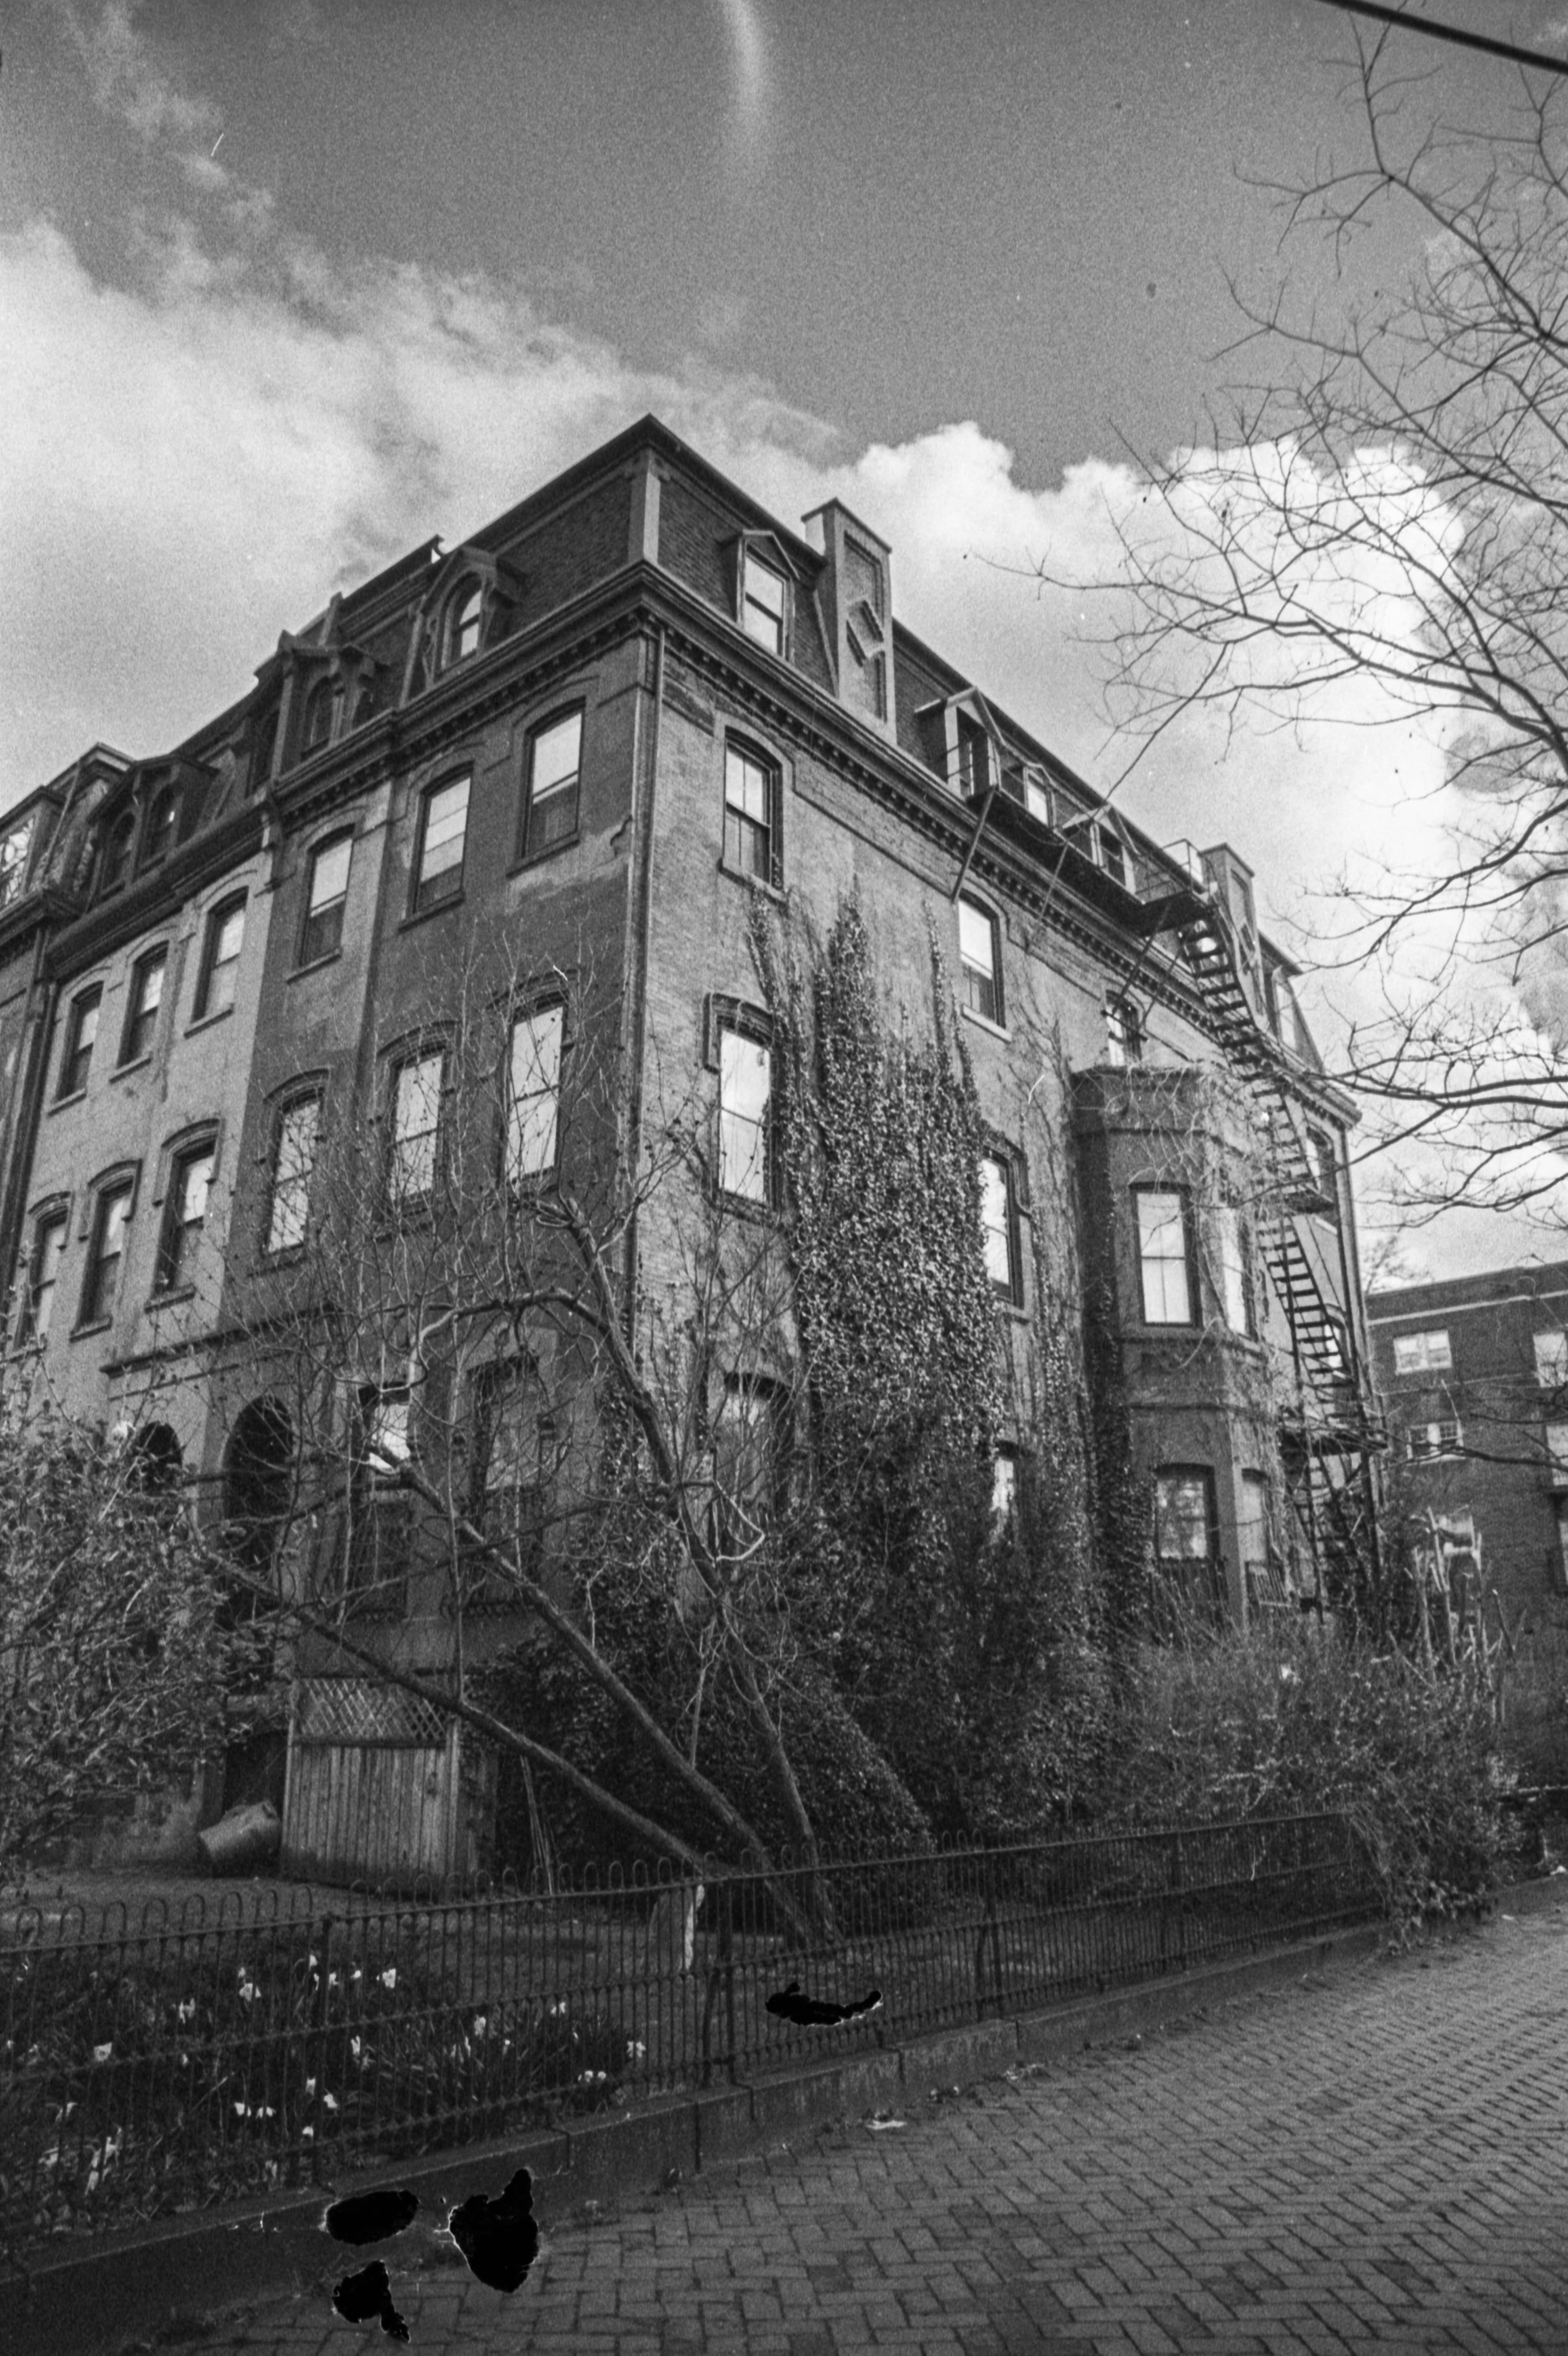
1254	1725
115	1646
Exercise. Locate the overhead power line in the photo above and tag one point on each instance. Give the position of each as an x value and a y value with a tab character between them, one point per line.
1461	40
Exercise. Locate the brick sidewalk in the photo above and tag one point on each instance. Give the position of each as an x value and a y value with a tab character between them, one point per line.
1374	2158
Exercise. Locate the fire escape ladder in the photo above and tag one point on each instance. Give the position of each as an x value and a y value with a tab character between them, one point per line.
1337	1428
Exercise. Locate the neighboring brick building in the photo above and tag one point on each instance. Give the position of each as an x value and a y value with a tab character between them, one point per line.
1474	1375
508	810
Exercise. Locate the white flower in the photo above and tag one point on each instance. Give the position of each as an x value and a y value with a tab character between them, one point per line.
249	1991
330	2101
310	2085
636	2050
186	2010
102	2052
388	1977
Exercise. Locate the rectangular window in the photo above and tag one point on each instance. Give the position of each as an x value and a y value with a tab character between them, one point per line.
1446	1437
1003	1486
745	1115
762	603
978	960
110	1215
749	1464
1254	1533
1232	1269
1183	1514
81	1035
997	1225
1325	1168
185	1214
533	1093
379	1518
326	895
1421	1354
292	1162
750	786
1163	1258
43	1275
513	1452
973	756
554	763
442	826
221	958
1551	1360
1557	1451
1124	1032
1037	797
416	1126
146	995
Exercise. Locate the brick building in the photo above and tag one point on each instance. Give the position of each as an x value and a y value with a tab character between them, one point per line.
1474	1374
506	813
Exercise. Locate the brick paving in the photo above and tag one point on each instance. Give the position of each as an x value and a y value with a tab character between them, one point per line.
1373	2157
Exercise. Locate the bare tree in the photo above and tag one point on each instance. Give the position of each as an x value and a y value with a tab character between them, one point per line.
1385	503
486	1406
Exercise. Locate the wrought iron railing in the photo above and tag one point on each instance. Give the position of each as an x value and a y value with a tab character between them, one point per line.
203	2054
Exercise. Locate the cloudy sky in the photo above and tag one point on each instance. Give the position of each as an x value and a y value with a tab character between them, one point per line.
287	286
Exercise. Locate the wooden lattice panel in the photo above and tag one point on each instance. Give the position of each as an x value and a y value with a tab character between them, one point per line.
353	1710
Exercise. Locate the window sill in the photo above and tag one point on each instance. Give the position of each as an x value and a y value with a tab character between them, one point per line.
551	851
172	1297
983	1022
93	1325
75	1097
437	908
315	964
205	1022
136	1064
285	1256
747	1206
773	892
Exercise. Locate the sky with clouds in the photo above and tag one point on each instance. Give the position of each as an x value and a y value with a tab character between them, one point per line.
286	289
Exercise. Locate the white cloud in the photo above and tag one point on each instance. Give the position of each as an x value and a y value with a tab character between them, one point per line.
197	457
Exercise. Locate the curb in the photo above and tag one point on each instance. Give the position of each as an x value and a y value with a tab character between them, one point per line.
130	2287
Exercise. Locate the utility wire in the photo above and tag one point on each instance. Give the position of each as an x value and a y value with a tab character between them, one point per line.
1407	24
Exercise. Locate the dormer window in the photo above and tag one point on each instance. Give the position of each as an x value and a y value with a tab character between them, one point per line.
160	829
463	630
1111	853
317	715
117	853
763	603
973	756
1037	797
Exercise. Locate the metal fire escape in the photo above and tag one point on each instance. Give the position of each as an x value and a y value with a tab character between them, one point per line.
1330	1433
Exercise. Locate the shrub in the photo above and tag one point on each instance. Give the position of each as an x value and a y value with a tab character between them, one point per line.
1266	1724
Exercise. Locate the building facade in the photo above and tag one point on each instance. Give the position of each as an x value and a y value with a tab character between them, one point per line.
1474	1373
459	907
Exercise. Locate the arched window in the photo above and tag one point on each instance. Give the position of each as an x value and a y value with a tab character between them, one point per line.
161	828
463	630
317	717
257	1482
155	1459
117	853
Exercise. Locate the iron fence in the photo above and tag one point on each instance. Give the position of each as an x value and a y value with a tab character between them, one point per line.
206	2053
